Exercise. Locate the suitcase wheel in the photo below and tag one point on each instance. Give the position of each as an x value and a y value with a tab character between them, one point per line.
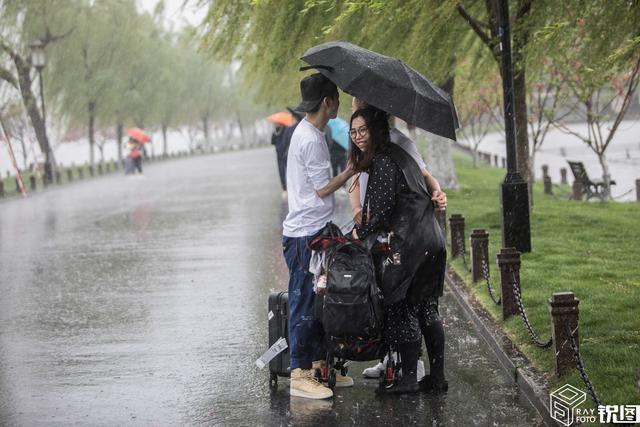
273	381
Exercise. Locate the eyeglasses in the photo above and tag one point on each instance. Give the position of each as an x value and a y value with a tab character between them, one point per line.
362	131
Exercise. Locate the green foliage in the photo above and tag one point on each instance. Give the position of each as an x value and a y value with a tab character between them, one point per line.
269	37
586	248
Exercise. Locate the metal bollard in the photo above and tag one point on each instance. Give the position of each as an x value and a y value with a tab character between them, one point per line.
69	174
17	185
1	188
495	160
91	170
32	181
563	176
504	163
509	265
577	190
456	225
638	190
479	251
545	170
563	307
441	217
80	172
548	188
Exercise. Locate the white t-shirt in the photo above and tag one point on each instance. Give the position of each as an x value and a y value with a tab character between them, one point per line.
407	145
308	170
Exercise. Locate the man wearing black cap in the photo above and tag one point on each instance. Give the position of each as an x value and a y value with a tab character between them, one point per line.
310	197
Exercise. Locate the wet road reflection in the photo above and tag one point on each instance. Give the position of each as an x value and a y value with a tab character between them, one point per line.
143	301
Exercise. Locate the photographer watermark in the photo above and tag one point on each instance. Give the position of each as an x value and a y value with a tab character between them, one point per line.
564	408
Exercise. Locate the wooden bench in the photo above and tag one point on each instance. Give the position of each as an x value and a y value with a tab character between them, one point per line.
589	188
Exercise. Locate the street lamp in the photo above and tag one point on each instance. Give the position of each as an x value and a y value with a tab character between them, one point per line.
514	194
38	60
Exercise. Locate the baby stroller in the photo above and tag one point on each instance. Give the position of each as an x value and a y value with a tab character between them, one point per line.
349	304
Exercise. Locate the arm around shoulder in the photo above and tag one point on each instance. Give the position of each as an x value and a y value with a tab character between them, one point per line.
336	182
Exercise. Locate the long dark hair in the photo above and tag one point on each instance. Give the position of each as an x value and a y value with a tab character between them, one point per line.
377	122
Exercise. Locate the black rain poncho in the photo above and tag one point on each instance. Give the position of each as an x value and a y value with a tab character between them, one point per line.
416	263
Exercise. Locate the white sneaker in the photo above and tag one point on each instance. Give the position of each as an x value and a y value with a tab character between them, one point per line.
374	371
420	373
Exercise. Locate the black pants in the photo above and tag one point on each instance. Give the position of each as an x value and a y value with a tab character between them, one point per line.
402	325
433	333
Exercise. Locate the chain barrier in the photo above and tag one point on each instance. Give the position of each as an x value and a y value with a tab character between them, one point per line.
460	241
579	365
523	314
487	278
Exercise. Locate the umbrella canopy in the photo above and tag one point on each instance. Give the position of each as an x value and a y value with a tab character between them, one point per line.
386	83
139	135
283	118
339	132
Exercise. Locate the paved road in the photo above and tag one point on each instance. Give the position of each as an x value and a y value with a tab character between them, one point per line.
143	302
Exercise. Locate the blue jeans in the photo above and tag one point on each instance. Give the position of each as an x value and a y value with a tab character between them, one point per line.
305	332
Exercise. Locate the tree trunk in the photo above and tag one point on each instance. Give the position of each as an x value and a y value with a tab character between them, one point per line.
30	103
164	140
25	154
437	152
606	176
91	110
241	129
205	130
119	134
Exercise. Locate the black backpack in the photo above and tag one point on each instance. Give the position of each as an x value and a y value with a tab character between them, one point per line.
352	305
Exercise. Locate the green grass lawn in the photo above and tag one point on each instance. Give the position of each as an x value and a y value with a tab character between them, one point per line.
589	248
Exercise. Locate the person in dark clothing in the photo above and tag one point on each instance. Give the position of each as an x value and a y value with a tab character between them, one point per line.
281	155
337	153
411	277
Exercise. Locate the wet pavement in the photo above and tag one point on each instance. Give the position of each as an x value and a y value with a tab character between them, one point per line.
143	301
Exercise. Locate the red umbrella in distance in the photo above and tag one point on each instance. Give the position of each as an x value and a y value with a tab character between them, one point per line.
139	135
283	118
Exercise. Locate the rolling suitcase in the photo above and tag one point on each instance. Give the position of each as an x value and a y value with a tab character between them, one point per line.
278	328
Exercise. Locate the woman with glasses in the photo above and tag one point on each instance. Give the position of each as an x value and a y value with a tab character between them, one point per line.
398	204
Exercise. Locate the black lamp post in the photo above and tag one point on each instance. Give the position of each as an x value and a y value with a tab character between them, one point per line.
38	60
514	194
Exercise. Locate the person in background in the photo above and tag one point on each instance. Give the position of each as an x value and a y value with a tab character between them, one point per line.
337	153
281	155
133	161
283	147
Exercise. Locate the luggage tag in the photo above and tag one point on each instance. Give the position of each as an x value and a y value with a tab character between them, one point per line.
277	348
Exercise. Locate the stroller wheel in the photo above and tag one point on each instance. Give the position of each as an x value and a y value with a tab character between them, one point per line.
390	372
273	382
331	382
382	380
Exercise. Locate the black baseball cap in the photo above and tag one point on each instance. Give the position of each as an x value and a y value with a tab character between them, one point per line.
313	89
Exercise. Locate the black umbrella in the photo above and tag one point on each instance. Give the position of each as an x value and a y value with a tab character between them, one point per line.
386	83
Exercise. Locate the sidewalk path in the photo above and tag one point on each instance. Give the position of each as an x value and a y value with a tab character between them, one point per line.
143	301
